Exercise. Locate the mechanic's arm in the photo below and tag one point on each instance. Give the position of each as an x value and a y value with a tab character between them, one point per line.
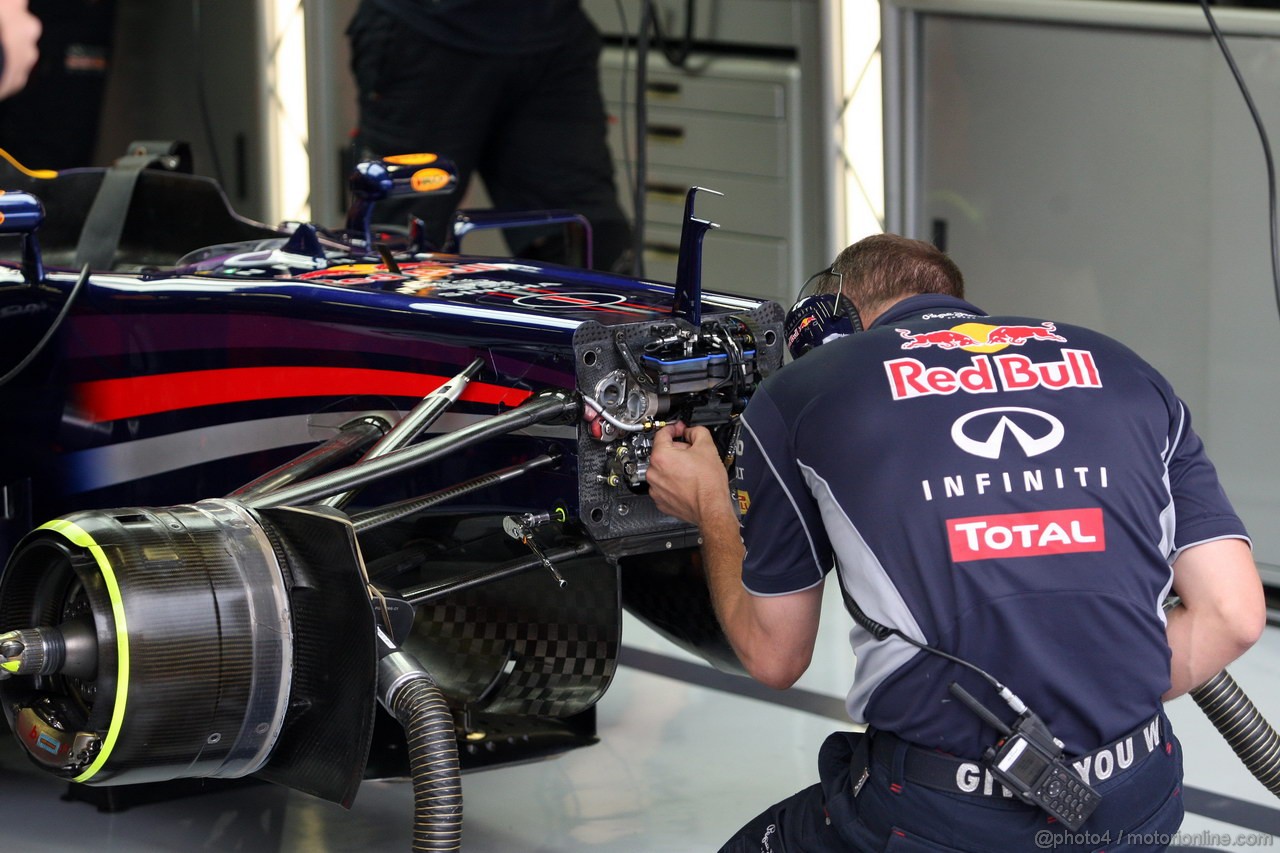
772	636
1221	615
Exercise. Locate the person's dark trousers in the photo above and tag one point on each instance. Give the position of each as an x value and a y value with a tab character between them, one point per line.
1141	809
532	125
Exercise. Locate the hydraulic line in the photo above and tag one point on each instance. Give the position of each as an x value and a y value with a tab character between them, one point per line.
540	409
392	512
1248	734
423	415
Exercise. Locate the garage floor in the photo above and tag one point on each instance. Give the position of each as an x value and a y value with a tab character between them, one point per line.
685	757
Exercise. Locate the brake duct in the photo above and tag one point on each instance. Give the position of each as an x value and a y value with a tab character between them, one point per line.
201	645
209	640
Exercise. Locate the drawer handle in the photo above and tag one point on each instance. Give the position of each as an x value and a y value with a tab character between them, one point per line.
663	89
665	133
665	192
662	250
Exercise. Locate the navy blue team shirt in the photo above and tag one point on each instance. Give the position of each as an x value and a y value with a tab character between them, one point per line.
1011	491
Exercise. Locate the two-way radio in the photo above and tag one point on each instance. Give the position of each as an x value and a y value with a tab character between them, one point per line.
1028	762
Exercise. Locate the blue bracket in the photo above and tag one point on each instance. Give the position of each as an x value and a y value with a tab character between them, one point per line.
22	213
687	302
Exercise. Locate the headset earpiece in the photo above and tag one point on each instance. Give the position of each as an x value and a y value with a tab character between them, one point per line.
817	319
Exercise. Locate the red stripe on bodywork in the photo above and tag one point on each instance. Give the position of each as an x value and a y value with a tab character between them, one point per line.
116	399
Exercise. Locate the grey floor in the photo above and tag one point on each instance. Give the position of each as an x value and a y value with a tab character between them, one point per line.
685	757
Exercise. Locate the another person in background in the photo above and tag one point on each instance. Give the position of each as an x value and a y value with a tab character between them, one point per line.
506	88
19	35
53	122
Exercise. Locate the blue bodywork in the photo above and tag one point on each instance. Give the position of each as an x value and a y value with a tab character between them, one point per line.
215	349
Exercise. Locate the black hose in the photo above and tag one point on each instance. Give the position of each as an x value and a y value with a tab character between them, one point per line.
1248	734
420	707
53	327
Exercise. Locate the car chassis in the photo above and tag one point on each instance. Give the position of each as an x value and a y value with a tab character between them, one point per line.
299	473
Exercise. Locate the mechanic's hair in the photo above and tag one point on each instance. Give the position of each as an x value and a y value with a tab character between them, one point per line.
883	268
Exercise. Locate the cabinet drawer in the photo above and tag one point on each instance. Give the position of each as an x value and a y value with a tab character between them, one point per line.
710	143
749	205
731	263
733	87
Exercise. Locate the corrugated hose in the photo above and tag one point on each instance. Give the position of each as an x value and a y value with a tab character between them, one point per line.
1248	734
420	707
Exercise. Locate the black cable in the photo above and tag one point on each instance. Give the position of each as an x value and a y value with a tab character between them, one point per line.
642	132
986	676
883	632
677	55
202	100
624	98
1266	148
53	327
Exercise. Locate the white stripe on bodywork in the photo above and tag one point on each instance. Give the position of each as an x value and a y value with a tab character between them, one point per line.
871	587
118	463
514	318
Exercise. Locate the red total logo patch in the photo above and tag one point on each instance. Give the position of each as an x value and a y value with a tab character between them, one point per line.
1026	534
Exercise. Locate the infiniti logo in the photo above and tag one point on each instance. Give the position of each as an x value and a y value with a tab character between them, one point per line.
990	445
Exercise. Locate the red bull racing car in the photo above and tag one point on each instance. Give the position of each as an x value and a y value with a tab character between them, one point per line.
267	488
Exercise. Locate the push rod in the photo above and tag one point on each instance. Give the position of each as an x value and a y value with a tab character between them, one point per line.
422	416
352	438
544	407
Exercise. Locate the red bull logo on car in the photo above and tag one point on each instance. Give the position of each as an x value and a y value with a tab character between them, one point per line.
988	372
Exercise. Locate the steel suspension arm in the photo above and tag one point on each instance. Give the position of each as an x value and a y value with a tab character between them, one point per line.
544	407
423	415
387	514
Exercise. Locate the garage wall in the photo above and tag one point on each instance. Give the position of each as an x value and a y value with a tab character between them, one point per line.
191	71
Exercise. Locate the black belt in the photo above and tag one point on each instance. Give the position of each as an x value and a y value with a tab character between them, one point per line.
943	772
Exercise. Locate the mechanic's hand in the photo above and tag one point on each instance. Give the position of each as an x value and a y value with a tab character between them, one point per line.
687	479
19	32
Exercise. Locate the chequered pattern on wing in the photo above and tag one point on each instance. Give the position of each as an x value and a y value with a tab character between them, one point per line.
526	645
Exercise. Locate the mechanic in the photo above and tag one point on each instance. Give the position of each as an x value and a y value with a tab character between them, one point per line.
506	88
1015	493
